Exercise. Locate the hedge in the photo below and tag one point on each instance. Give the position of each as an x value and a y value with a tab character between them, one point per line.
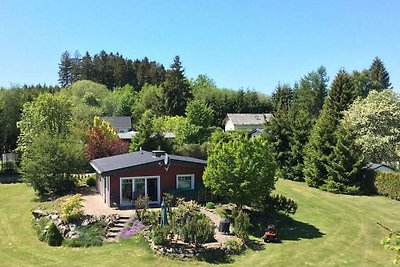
388	184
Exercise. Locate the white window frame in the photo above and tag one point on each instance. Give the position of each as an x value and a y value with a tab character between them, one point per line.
145	186
185	175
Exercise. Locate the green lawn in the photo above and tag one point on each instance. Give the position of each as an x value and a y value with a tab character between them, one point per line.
328	230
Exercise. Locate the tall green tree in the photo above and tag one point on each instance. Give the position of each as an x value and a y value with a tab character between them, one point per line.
176	90
322	138
312	90
362	82
344	164
200	114
277	132
64	70
147	137
301	123
242	170
282	97
47	113
379	75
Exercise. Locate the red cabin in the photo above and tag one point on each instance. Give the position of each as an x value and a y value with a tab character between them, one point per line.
123	178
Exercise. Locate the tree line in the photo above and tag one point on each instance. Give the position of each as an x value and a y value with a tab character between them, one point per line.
325	136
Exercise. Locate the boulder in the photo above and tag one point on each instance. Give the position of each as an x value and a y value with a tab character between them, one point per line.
39	214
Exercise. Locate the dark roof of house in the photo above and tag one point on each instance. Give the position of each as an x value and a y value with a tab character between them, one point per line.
376	166
118	122
248	118
135	159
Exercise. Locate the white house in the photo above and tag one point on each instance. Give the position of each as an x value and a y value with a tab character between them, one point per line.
245	121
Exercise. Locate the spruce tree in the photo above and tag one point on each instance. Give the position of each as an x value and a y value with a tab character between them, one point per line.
322	138
379	75
301	123
344	164
86	68
282	97
64	70
176	90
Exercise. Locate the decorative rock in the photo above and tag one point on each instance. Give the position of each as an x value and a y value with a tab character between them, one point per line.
54	217
38	214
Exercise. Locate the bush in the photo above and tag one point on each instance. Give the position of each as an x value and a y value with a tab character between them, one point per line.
280	203
190	224
210	205
160	233
141	205
40	228
388	184
151	217
241	224
235	246
91	181
198	230
90	235
72	208
53	236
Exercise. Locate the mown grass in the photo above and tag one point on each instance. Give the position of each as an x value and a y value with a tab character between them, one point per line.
327	230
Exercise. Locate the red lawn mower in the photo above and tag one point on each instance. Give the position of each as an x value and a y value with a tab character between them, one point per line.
270	234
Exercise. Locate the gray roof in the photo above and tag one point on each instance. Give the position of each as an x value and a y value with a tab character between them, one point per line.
376	166
127	136
122	162
248	118
118	122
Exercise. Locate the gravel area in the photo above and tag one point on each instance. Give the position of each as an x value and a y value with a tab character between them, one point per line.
221	238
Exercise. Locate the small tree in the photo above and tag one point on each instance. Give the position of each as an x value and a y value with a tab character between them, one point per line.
242	169
103	141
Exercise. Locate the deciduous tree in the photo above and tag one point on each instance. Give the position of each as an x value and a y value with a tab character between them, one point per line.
242	169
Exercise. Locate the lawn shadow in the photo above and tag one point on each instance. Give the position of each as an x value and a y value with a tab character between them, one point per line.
214	256
287	227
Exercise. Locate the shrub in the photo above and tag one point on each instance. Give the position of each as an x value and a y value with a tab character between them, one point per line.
235	246
53	236
151	217
210	205
91	181
170	200
141	205
241	224
40	228
198	230
388	184
90	235
160	233
190	224
72	208
280	203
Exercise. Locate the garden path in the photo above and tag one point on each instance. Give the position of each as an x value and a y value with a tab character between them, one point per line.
219	237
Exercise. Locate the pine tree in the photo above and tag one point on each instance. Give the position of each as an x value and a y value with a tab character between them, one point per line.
278	132
282	97
322	138
176	90
379	75
64	70
86	68
301	123
344	164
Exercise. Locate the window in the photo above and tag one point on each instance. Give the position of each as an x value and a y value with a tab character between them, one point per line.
185	181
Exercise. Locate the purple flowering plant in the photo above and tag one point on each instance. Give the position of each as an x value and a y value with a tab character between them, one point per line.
134	229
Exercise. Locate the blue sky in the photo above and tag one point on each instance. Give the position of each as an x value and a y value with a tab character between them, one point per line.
249	44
